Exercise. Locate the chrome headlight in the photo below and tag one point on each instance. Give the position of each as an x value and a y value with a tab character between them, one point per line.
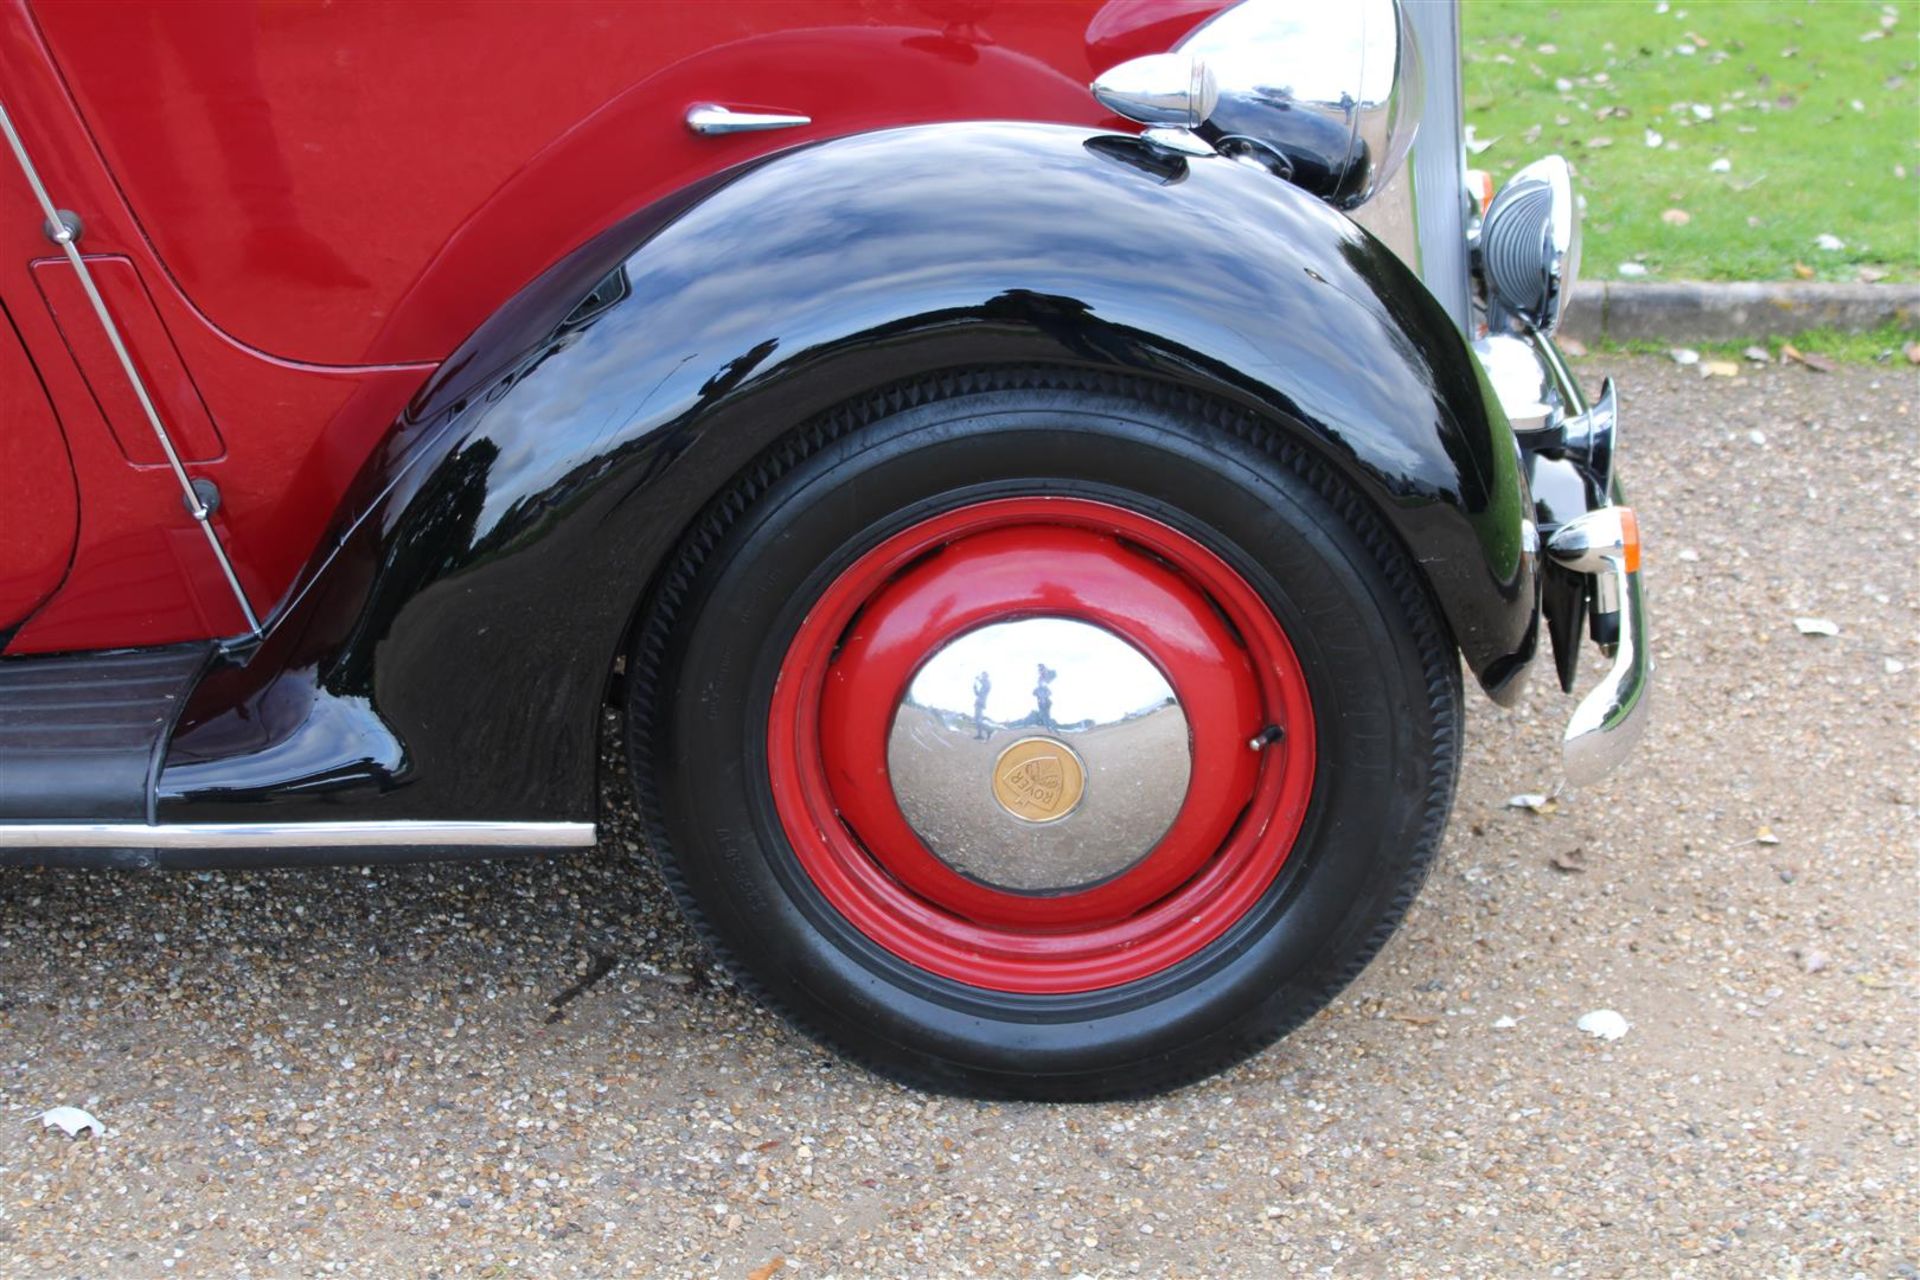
1530	247
1327	92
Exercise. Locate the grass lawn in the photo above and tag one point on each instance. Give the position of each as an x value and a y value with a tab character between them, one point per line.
1812	105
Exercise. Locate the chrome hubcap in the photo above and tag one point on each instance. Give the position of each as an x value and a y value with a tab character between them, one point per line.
1041	756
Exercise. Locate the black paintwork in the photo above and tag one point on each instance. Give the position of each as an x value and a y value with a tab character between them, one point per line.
449	659
81	734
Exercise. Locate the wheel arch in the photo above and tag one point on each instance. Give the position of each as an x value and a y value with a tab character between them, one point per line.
469	615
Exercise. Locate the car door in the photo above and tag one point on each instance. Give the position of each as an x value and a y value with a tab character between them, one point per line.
39	504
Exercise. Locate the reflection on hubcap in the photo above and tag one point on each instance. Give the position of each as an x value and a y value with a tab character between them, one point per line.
1042	755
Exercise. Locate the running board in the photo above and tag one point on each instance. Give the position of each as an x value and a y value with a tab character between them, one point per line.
84	733
82	740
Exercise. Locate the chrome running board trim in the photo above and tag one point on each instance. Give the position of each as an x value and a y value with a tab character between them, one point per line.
292	835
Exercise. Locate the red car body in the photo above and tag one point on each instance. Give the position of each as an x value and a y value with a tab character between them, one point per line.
1036	549
297	212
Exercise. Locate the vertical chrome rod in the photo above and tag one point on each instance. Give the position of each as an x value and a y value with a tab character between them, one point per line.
63	236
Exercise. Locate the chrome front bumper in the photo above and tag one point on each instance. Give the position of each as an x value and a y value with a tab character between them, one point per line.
1551	417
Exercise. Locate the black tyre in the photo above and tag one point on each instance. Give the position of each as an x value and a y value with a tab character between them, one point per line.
1208	813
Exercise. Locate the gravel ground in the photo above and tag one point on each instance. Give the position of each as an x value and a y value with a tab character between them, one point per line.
433	1071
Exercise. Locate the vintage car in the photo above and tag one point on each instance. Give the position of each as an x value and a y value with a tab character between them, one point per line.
1031	525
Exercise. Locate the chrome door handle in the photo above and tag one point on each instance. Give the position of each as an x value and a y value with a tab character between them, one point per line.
711	119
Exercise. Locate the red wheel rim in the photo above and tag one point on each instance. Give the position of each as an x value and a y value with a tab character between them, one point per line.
1213	638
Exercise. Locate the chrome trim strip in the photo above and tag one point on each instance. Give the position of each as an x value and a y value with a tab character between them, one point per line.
63	235
292	835
712	120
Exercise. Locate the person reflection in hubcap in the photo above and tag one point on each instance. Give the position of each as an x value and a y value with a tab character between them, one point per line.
1043	695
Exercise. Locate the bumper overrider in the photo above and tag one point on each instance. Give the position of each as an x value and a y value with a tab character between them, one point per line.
1609	720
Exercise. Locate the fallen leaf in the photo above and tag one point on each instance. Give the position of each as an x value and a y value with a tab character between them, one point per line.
1414	1019
71	1120
1684	355
1598	143
1765	836
1534	801
1913	353
766	1272
1676	217
1817	626
1872	275
1572	861
1802	270
1758	355
1719	369
1819	364
1606	1024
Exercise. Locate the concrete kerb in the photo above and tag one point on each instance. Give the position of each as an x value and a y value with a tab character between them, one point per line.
1701	312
